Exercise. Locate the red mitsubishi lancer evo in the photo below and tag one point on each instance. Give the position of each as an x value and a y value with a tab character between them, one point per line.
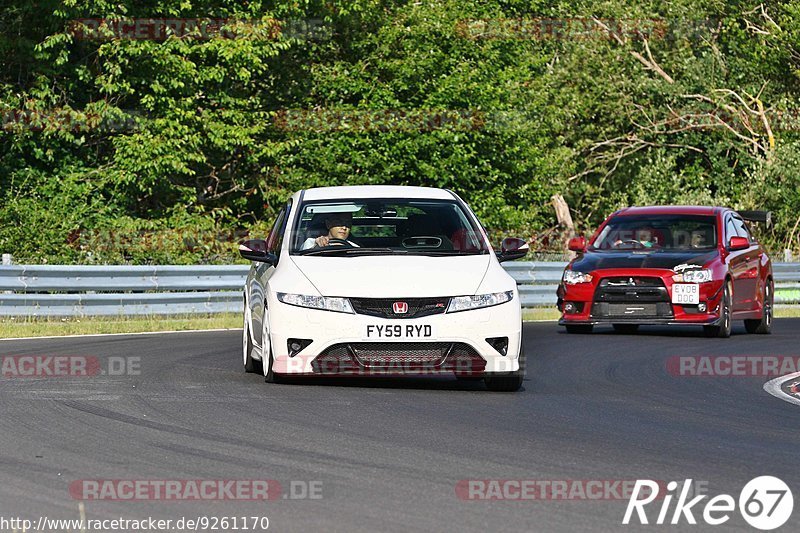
677	265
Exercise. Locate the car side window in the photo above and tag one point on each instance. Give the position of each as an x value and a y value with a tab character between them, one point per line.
275	238
730	230
741	228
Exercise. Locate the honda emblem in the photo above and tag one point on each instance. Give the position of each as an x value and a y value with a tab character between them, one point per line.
400	308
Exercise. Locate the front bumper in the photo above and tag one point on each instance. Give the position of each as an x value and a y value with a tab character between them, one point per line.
713	321
349	344
587	309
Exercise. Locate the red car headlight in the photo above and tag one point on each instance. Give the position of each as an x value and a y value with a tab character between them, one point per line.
694	276
572	277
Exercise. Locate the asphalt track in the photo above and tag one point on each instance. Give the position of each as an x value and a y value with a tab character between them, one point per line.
390	452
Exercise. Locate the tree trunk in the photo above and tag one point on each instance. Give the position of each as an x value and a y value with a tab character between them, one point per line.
564	220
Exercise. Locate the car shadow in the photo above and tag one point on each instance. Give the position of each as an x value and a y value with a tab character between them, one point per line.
656	331
443	383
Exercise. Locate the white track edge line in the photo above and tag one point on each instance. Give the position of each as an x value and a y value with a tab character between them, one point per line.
773	387
118	334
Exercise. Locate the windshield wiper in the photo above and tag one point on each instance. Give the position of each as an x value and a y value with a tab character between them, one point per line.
448	252
341	250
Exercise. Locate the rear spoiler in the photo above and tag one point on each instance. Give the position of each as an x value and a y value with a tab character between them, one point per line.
757	216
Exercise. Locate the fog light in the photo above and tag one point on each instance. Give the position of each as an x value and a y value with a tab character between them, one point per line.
701	307
499	343
295	346
571	308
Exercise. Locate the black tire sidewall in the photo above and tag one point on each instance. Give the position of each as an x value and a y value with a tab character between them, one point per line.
726	325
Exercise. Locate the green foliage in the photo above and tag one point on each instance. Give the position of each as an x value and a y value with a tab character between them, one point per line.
167	150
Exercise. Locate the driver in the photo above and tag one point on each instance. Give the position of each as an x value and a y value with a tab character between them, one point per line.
644	237
338	225
698	239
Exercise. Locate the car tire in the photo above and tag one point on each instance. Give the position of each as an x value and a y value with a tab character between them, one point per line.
763	325
723	330
504	382
466	377
266	353
507	382
625	328
579	328
251	366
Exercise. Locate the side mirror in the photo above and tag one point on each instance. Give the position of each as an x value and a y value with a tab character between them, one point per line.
577	244
256	250
738	243
512	248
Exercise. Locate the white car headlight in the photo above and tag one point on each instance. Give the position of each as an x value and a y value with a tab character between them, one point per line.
465	303
572	277
338	305
695	276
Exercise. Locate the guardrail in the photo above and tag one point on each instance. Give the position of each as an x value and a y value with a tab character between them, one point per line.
53	290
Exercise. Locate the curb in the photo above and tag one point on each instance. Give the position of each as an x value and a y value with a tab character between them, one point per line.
787	388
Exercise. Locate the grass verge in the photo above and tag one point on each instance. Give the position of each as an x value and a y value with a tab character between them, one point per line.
42	327
787	312
540	313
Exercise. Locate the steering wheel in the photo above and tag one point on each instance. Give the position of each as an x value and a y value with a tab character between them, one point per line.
630	241
339	242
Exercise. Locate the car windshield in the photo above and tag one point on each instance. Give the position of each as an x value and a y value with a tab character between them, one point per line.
657	233
385	226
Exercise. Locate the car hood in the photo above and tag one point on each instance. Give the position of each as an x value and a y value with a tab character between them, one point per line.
650	259
394	276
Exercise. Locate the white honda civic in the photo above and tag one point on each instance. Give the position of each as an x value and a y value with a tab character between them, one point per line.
381	280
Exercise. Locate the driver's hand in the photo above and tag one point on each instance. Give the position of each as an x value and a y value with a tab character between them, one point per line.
322	241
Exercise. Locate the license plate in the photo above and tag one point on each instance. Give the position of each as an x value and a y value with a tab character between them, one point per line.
686	293
399	331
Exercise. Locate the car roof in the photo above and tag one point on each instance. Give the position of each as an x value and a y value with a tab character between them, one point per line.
376	191
671	210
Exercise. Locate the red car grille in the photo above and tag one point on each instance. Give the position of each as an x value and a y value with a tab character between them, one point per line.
632	310
631	290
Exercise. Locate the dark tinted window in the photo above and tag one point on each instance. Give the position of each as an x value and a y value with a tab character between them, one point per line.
741	228
276	233
730	229
658	232
392	225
